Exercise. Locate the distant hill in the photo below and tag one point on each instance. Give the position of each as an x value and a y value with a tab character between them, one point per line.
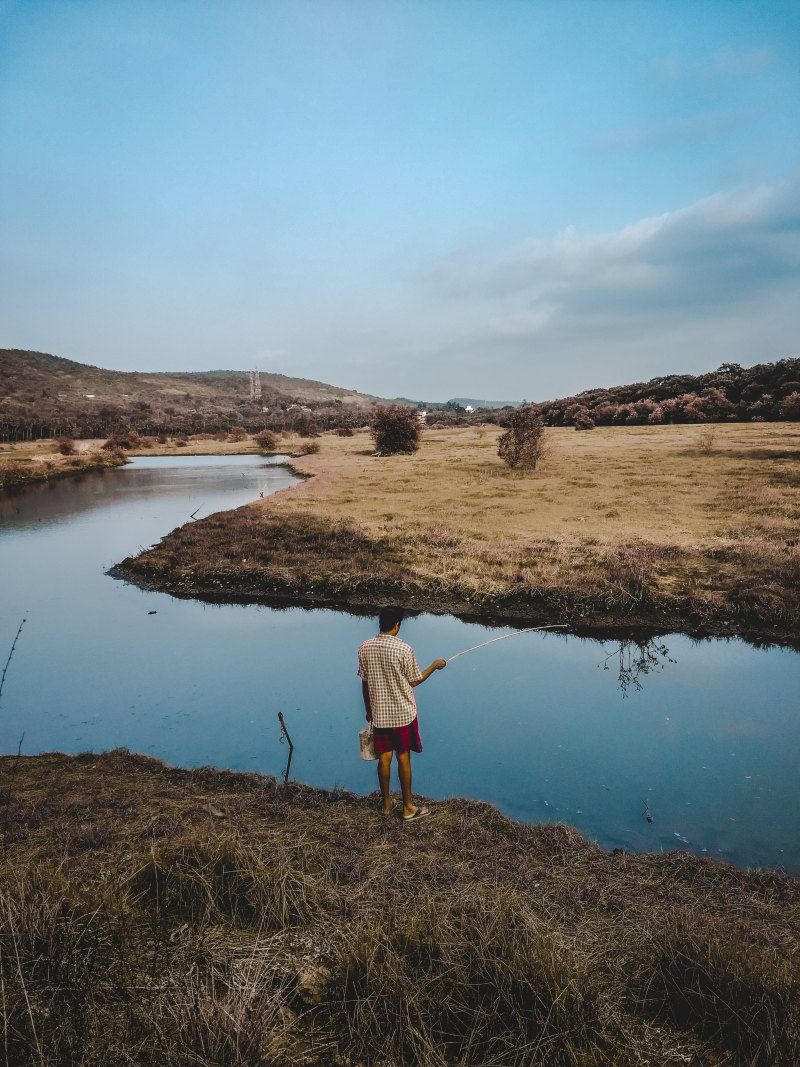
764	392
44	396
465	401
459	402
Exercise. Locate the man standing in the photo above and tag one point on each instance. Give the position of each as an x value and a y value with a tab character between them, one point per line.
389	673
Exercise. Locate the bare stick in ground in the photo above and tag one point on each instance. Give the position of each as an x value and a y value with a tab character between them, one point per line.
285	733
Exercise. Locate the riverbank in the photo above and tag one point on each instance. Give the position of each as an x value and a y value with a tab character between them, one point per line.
663	528
40	461
18	469
152	915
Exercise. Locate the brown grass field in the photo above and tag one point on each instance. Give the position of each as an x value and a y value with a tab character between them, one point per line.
673	527
154	916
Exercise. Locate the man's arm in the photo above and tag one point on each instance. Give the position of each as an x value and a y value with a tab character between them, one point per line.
437	665
365	695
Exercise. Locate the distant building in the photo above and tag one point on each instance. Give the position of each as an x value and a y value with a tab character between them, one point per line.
469	409
255	384
422	416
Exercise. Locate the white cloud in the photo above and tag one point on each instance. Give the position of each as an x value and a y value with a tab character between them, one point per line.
692	129
720	274
726	62
729	63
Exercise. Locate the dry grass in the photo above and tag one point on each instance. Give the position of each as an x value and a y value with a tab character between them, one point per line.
639	525
155	916
37	464
36	461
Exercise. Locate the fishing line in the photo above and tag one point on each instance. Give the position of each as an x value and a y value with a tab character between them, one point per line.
530	630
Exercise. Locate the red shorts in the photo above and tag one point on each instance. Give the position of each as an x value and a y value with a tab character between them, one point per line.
397	738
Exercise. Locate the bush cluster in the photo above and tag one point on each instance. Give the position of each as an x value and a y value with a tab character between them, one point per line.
267	441
395	429
523	443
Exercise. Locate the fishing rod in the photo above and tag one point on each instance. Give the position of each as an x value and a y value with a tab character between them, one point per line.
529	630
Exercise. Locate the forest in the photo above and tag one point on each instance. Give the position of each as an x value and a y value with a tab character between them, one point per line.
767	392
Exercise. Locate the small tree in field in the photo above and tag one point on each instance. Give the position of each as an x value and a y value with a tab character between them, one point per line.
523	443
266	441
395	429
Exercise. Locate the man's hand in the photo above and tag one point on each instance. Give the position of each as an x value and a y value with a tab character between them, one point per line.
437	665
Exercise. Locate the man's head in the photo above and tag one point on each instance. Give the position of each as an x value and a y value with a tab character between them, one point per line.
389	618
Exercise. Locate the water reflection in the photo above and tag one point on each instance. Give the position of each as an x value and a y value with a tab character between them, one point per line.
634	660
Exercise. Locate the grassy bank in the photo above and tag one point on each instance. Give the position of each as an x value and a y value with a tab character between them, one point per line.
674	527
40	461
38	464
155	916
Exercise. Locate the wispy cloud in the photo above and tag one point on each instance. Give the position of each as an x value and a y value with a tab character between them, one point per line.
726	259
728	63
688	130
672	67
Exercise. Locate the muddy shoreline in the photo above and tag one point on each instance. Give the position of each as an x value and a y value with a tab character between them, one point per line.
366	598
16	475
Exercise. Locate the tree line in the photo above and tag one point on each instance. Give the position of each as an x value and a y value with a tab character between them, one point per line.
767	392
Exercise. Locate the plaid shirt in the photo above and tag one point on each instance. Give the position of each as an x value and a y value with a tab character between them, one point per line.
389	667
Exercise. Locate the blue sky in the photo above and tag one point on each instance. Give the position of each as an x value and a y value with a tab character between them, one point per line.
428	198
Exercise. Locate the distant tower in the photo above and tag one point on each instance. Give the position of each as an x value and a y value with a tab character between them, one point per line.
255	384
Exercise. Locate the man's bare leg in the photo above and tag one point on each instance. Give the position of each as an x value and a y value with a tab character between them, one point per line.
384	777
404	772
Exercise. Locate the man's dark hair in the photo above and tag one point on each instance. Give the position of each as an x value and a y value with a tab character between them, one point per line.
389	617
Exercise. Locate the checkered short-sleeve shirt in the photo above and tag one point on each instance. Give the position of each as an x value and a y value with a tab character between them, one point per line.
389	667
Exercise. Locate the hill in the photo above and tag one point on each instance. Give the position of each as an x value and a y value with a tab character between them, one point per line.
44	396
466	401
766	392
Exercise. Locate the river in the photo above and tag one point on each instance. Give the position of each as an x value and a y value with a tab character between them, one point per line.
679	744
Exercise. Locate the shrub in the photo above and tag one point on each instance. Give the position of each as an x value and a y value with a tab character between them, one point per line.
789	408
344	431
305	425
706	440
238	433
309	448
583	420
66	446
395	429
121	441
266	441
523	443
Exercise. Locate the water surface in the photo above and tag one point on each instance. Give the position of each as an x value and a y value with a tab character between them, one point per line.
541	725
